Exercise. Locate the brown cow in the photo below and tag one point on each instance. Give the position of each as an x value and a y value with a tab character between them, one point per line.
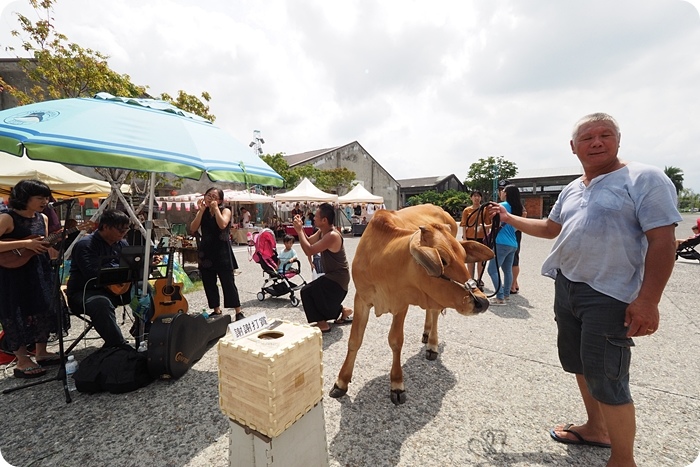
410	257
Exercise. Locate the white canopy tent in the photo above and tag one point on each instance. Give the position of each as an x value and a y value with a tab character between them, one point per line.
306	192
64	182
359	194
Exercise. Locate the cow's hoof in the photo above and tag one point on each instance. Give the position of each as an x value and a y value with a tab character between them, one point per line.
398	396
425	338
336	392
431	354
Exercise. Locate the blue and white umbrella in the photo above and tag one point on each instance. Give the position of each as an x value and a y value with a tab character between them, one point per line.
136	134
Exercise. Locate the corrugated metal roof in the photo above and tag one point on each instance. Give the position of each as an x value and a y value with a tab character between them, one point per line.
422	181
296	159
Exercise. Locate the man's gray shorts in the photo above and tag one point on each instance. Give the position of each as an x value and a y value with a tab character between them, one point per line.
592	339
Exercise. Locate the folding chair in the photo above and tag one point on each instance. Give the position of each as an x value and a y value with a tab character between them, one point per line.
87	327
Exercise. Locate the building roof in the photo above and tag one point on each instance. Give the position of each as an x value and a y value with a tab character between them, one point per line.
296	159
423	181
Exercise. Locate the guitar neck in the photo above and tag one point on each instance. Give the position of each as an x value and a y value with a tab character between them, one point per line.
56	236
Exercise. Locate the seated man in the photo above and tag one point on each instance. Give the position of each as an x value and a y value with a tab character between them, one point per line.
93	252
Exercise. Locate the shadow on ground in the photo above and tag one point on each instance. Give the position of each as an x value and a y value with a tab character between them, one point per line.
371	414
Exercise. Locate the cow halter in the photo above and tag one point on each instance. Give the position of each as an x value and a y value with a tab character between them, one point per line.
469	286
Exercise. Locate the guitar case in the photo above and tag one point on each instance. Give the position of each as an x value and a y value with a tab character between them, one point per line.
176	342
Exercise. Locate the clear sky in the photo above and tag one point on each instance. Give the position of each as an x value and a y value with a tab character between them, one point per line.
427	87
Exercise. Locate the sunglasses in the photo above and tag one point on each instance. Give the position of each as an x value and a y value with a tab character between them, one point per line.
122	229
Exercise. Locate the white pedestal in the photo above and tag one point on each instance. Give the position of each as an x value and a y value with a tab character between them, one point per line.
303	444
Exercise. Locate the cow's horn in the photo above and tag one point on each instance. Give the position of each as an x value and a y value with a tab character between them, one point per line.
427	257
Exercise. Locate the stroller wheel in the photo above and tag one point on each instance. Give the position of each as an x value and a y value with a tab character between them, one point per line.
294	300
261	296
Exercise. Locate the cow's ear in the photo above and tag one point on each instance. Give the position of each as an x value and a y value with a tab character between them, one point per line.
476	251
427	257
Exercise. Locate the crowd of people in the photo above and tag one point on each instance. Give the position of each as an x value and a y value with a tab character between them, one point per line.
603	298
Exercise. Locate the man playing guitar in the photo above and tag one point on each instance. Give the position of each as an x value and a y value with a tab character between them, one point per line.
101	249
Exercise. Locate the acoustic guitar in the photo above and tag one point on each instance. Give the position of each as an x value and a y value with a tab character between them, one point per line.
168	297
18	257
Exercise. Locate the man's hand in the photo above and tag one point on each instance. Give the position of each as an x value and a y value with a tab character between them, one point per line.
298	224
495	208
641	318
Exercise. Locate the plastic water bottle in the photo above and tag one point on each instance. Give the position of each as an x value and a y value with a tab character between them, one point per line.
143	347
71	368
205	313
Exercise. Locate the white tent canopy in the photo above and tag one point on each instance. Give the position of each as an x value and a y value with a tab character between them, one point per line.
230	196
359	194
306	192
64	182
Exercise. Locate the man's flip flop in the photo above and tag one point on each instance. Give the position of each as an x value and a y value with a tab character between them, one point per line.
341	321
24	374
580	440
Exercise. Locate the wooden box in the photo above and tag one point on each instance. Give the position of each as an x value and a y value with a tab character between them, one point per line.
271	378
304	444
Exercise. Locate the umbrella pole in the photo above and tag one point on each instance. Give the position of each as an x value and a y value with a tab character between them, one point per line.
147	253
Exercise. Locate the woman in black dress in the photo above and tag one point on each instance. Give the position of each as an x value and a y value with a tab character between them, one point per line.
26	305
214	250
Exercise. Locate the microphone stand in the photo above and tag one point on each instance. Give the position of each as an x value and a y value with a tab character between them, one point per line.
58	300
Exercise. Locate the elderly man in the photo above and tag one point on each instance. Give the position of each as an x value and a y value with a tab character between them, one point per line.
611	261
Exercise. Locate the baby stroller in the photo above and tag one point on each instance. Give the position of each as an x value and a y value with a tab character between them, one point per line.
277	283
687	249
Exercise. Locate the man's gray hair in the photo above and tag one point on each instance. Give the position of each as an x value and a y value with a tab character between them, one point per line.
596	117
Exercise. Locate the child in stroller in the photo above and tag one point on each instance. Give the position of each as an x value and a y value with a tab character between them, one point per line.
279	273
686	248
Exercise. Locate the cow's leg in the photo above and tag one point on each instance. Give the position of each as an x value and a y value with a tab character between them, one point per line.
431	351
427	326
398	393
357	332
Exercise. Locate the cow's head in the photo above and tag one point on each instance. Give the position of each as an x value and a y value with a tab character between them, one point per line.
443	258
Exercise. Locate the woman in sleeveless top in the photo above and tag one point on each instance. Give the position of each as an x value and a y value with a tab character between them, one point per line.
323	297
214	252
26	305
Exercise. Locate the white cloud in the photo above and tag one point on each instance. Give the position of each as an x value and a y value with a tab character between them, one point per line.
426	87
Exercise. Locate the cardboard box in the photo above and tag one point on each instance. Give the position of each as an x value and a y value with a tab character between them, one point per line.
271	378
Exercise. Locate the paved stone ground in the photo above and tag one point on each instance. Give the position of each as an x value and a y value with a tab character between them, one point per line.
488	400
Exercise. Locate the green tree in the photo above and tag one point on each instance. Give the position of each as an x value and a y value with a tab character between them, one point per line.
452	201
279	165
335	180
192	104
676	176
483	172
62	69
688	200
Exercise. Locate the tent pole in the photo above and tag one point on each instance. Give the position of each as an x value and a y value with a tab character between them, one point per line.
147	250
